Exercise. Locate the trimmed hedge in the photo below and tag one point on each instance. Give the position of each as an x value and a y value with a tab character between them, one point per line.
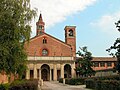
114	77
4	86
90	83
97	83
24	85
82	80
107	85
60	80
104	83
73	81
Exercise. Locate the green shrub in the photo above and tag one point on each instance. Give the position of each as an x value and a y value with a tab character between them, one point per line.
107	85
73	81
101	83
60	80
24	85
90	83
4	86
114	77
98	85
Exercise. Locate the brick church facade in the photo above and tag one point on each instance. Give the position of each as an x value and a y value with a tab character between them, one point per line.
50	58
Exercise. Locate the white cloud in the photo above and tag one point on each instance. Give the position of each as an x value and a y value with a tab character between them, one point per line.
55	11
107	23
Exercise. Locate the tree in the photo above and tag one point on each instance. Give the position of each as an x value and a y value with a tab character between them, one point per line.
116	47
117	25
15	17
84	63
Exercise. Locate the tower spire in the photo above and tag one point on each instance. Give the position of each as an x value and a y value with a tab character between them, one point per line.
40	25
40	17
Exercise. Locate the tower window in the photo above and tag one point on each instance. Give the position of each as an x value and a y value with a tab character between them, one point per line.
40	27
40	32
44	52
44	40
70	32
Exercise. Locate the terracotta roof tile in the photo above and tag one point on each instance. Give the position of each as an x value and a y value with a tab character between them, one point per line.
102	59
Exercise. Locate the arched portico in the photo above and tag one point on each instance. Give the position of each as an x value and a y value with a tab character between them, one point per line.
45	72
67	71
52	70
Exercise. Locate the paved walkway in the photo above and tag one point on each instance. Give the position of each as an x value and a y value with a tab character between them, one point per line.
54	85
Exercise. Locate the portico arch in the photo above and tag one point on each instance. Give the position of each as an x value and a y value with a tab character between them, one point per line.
45	72
67	71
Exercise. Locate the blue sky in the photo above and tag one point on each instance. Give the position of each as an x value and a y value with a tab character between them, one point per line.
94	21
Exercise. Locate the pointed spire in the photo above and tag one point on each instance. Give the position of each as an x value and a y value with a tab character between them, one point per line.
40	17
40	25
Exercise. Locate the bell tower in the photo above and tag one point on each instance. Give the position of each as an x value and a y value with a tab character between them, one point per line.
70	38
40	26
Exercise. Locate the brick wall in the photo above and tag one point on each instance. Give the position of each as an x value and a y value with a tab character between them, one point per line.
54	46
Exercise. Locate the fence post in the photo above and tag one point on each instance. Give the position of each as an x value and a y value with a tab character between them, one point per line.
64	81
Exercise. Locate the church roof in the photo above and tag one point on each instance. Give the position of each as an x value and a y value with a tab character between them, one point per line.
101	59
104	59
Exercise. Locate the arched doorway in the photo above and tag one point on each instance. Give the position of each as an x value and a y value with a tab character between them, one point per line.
67	71
45	72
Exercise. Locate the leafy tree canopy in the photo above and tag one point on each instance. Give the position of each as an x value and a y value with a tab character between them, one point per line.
84	62
15	17
115	49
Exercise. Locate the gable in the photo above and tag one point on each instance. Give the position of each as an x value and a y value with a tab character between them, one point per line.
54	46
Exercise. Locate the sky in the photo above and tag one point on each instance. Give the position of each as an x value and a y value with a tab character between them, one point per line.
94	21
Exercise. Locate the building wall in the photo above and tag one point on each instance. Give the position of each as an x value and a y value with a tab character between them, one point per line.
106	66
3	78
54	47
103	63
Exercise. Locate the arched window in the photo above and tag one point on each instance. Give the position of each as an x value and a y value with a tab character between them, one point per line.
44	40
44	52
70	32
40	27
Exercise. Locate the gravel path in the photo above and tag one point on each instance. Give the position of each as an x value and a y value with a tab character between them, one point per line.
54	85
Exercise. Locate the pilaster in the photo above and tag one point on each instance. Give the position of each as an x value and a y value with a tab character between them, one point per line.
62	70
35	72
28	74
55	73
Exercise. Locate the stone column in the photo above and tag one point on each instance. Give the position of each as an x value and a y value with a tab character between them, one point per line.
39	74
27	74
106	65
72	70
35	72
62	70
55	73
50	75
